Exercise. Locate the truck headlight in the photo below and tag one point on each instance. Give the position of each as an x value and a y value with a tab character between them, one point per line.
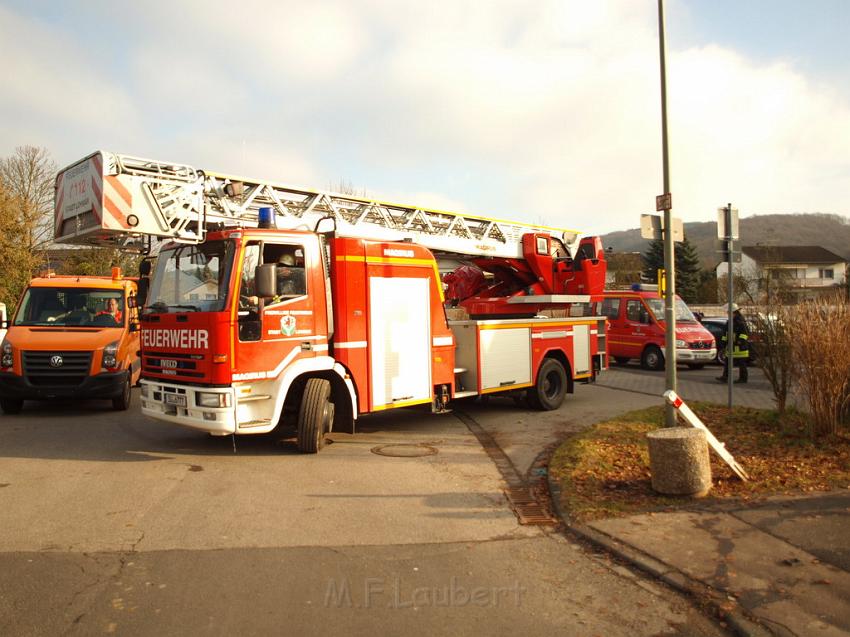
681	343
210	399
110	355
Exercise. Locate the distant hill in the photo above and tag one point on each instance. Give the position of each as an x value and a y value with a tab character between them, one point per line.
830	231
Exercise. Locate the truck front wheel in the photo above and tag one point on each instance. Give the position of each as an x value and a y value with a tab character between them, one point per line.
652	359
316	415
551	386
122	402
11	406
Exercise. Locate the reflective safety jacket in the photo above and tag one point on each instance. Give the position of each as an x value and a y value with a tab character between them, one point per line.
741	332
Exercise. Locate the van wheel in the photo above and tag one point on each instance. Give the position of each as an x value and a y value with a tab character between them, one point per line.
11	406
316	415
652	359
621	360
122	402
551	386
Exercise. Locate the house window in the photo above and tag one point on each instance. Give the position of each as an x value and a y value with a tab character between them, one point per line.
826	273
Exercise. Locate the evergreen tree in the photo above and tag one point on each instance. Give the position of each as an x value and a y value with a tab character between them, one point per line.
653	260
687	267
687	271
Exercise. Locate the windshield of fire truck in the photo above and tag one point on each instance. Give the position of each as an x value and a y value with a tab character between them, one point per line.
191	278
683	312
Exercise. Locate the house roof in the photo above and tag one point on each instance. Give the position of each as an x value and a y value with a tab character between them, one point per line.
791	254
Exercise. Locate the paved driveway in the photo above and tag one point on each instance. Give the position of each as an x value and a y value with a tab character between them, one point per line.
113	523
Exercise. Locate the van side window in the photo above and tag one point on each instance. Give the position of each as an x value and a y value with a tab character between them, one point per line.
635	313
611	309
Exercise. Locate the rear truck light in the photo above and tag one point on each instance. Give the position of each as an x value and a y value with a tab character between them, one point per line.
210	399
7	358
110	356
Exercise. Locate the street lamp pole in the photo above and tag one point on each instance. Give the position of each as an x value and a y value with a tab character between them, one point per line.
669	248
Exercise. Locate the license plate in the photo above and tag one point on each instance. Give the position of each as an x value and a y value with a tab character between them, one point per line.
176	399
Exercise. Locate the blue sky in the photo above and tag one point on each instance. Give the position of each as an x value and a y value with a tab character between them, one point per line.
545	112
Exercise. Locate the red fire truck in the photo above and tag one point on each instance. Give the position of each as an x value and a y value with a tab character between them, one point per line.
270	304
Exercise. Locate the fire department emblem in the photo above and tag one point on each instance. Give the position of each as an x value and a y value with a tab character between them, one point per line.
287	325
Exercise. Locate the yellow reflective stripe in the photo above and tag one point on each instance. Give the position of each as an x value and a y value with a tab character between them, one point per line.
401	403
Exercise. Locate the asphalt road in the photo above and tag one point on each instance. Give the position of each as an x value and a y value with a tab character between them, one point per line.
113	523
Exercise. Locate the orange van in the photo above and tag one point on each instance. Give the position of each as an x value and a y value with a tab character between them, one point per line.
636	329
72	337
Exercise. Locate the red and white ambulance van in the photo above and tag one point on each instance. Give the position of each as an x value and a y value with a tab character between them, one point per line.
636	329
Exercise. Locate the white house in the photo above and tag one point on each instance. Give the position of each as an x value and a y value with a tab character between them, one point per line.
806	270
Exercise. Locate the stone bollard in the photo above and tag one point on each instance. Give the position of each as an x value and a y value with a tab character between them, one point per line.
678	460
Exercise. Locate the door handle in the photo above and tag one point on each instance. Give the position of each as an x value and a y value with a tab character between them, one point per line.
306	346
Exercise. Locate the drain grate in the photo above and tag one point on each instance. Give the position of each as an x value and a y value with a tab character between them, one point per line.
527	508
404	450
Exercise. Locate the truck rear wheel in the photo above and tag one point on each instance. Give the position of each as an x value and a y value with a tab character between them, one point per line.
315	417
11	406
551	386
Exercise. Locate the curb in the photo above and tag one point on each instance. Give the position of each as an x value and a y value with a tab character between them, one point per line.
740	624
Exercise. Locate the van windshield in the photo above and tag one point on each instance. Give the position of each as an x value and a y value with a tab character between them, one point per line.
683	312
71	307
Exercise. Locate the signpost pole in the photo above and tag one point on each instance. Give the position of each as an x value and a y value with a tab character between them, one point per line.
730	297
669	249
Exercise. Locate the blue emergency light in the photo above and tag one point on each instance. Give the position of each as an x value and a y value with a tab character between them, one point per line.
265	217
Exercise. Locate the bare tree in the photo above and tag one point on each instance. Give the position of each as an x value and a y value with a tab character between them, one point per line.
29	175
17	261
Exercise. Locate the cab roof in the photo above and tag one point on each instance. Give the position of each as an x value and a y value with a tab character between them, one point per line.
74	281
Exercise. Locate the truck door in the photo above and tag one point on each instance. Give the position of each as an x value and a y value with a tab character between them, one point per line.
272	333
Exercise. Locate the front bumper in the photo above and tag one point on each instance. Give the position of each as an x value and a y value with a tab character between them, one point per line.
696	355
107	385
178	404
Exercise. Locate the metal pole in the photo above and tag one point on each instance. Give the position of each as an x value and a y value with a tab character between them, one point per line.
669	248
730	296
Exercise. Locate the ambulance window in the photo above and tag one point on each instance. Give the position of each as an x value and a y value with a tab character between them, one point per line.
636	313
611	309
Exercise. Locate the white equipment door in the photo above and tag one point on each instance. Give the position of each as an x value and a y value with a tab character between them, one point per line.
400	340
581	349
505	357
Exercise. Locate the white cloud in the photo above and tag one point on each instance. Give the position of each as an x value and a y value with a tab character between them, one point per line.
546	112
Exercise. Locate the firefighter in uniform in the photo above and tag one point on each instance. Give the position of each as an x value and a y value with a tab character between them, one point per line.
740	346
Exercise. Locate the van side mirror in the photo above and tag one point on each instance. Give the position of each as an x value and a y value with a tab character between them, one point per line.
265	280
131	302
644	317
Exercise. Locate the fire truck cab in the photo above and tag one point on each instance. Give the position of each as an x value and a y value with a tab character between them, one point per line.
636	329
71	337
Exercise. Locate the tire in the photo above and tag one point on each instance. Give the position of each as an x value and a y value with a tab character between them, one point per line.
652	358
551	386
122	402
11	406
696	365
621	360
315	417
721	357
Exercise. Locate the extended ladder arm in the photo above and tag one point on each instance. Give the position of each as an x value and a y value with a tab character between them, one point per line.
118	200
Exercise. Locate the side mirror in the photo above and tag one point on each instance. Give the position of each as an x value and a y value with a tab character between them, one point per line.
265	280
131	302
644	317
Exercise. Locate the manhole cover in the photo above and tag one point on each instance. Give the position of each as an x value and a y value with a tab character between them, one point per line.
402	450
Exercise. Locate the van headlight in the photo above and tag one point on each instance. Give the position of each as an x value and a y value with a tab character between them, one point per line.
212	399
7	358
110	355
681	343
